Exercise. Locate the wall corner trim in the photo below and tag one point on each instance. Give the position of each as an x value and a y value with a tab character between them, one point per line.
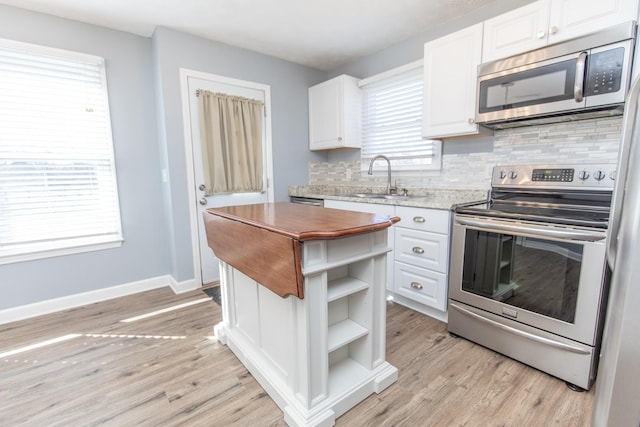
40	308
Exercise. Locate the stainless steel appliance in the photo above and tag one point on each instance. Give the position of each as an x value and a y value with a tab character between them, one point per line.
528	275
306	201
618	385
584	77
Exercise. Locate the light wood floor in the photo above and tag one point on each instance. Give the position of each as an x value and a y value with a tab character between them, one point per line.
167	370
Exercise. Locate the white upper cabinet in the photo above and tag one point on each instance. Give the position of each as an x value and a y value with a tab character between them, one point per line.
517	31
335	114
551	21
450	74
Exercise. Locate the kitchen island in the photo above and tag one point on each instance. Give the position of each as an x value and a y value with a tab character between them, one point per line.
303	303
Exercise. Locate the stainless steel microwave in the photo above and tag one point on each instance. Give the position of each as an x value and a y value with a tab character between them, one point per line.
580	78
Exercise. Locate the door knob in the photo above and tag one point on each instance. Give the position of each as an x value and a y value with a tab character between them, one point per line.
203	201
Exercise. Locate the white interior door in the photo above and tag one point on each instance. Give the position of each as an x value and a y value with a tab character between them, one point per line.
208	261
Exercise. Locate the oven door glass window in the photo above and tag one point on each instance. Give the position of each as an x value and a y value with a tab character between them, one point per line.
538	275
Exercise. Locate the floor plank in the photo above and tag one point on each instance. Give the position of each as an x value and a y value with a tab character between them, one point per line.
168	370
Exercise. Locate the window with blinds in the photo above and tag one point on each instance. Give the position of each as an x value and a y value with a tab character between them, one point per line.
58	192
392	121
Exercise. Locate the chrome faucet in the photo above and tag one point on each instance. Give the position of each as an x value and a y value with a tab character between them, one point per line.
390	189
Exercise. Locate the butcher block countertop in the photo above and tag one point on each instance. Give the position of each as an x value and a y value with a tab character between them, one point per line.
304	222
263	240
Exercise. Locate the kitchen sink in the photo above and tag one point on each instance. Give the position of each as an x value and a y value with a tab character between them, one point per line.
378	196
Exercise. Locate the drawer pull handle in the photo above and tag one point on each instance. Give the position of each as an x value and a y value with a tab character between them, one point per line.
418	219
416	285
417	250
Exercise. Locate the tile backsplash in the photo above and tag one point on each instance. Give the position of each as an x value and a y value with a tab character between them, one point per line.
584	141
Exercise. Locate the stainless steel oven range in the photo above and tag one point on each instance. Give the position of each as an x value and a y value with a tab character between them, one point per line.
528	273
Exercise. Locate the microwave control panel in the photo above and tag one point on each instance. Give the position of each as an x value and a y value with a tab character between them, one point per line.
604	71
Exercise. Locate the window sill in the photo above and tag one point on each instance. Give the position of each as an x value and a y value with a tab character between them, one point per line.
42	253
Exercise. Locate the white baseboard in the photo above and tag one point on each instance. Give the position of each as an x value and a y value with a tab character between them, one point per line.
443	316
64	303
184	286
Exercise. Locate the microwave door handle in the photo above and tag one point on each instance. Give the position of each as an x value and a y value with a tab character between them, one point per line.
578	87
531	230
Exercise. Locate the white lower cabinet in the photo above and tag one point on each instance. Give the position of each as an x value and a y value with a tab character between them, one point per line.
424	286
421	254
421	248
417	269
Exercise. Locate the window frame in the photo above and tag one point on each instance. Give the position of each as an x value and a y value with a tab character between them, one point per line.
30	250
436	145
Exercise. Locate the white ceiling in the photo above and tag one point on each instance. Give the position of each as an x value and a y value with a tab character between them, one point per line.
322	34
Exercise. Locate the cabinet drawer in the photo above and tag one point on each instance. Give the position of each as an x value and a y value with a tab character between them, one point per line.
421	285
422	249
434	220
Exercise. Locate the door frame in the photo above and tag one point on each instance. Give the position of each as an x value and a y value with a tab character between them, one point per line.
185	74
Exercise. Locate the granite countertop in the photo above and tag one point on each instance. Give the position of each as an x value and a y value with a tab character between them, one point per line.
437	198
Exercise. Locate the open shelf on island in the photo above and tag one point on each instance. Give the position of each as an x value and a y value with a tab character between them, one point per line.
344	373
343	287
343	333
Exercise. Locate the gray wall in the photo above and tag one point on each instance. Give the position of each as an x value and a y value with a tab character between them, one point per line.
143	254
289	115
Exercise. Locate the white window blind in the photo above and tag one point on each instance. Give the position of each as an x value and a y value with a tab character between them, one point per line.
57	175
392	121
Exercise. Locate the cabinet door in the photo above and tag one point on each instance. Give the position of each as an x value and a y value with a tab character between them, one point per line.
325	114
335	109
450	74
574	18
517	31
551	21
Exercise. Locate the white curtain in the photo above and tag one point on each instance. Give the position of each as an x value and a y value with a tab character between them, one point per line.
231	138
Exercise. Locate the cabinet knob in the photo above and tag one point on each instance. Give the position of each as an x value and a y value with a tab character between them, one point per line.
471	120
553	29
418	219
540	34
339	138
417	250
416	285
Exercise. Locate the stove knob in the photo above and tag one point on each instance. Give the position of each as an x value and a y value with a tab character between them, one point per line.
502	175
583	175
513	174
599	175
613	175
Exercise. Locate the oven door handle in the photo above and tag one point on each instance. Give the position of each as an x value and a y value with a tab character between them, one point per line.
523	334
531	230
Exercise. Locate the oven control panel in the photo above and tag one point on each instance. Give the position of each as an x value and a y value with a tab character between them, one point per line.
585	177
553	175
